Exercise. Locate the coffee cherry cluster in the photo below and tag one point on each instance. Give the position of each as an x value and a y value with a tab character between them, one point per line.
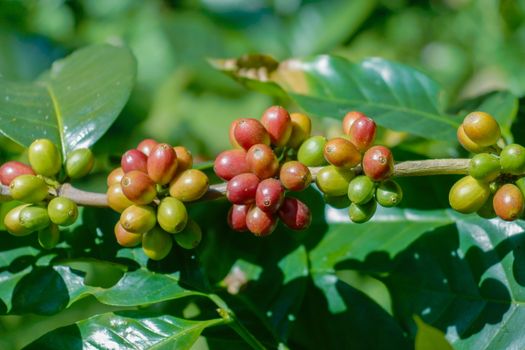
338	180
31	184
495	185
260	170
149	189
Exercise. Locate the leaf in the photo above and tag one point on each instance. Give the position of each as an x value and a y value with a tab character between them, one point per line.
396	96
430	338
74	103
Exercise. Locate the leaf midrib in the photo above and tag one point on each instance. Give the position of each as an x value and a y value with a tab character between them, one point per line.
58	114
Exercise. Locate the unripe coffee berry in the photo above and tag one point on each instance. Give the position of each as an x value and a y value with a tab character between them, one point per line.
115	176
262	161
295	176
389	193
334	181
311	151
28	188
126	238
521	184
231	163
134	160
231	134
338	202
237	217
146	146
278	123
508	202
189	185
481	128
485	167
350	119
249	132
184	158
12	222
157	243
172	215
512	159
363	133
49	237
301	129
79	163
34	218
295	214
269	195
242	188
468	195
44	157
190	237
116	198
487	210
162	164
62	211
467	143
259	222
341	153
361	213
138	187
378	163
12	169
361	189
138	218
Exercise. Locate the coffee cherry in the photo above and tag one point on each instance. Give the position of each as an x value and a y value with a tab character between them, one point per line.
468	195
157	243
487	210
49	237
378	163
361	213
295	176
482	128
295	214
521	185
28	188
242	188
269	195
361	189
278	123
138	218
115	176
467	143
44	157
262	161
116	198
301	129
311	151
508	202
34	218
494	187
237	217
362	133
338	202
249	132
12	169
189	185
12	222
79	163
334	181
134	160
259	222
485	167
184	158
62	211
350	119
172	215
231	163
190	237
389	193
146	146
341	153
512	159
162	163
126	238
138	187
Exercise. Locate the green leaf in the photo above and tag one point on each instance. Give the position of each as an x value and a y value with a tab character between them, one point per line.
430	338
74	103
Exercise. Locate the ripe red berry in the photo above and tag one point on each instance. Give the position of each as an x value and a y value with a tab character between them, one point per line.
378	163
362	133
162	163
138	187
146	146
295	176
269	195
341	153
295	214
508	202
350	119
134	160
241	189
276	120
231	163
249	132
262	161
12	169
237	217
259	222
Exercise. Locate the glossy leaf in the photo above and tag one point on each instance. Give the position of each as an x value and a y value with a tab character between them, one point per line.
430	338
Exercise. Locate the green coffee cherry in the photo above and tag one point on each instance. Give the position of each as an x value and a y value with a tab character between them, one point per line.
28	188
311	152
494	187
361	189
512	159
157	243
190	237
138	218
34	218
485	167
338	202
521	184
79	163
48	237
333	181
361	213
12	222
487	210
172	215
44	157
389	194
468	195
62	211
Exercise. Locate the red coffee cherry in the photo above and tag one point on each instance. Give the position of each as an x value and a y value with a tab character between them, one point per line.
138	187
231	163
276	120
378	163
295	214
269	195
162	164
237	217
241	189
362	133
349	120
259	222
508	202
115	176
295	176
146	146
262	161
249	132
234	142
184	158
12	169
134	160
341	153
